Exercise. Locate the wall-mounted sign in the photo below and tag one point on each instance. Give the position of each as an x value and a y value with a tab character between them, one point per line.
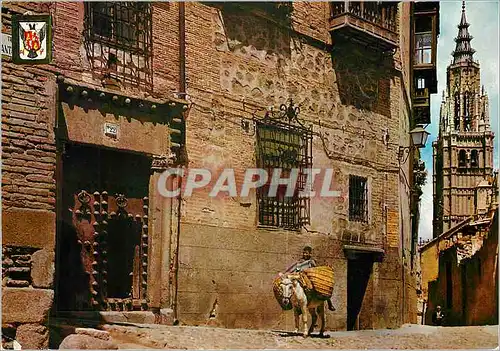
31	39
111	130
7	44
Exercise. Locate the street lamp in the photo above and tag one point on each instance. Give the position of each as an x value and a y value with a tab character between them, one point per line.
418	139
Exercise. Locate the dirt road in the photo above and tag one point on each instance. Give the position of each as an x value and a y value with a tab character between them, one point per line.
407	337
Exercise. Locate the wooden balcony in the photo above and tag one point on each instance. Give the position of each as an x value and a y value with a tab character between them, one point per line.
421	107
367	22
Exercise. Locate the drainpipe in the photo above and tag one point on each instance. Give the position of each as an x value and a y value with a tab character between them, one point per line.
182	93
182	49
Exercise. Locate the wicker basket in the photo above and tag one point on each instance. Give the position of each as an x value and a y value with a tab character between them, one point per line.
321	279
278	294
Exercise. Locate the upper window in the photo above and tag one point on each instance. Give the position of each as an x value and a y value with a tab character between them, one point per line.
420	83
283	148
423	40
462	158
119	40
466	104
125	24
474	159
457	111
358	199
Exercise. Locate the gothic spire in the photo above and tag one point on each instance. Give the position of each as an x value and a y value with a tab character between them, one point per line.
463	50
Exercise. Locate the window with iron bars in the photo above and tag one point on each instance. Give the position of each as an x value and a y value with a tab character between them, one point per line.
119	40
358	199
284	147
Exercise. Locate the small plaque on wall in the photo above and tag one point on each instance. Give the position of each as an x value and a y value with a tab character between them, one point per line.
111	130
31	39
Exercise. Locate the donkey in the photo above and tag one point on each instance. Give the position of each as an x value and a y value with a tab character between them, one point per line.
302	302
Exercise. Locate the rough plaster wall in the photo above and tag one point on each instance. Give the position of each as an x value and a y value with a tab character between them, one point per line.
482	282
429	258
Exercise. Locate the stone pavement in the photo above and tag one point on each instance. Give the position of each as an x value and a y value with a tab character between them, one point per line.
408	337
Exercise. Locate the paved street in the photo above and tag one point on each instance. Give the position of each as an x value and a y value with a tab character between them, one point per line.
407	337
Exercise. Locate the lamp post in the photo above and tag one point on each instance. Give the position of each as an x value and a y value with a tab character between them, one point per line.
418	139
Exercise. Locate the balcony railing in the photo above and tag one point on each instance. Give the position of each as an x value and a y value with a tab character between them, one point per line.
381	15
376	19
421	106
421	97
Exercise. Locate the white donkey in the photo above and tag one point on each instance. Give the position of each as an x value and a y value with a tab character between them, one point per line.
293	292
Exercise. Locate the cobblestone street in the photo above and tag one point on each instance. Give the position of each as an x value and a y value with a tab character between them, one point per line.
407	337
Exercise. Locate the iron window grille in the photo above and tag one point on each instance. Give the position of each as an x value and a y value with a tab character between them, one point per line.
284	146
118	38
358	199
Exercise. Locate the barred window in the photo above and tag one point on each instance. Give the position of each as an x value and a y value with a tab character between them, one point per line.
119	40
283	148
358	199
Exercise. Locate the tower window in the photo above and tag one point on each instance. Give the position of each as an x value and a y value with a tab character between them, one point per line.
462	158
457	111
474	158
467	124
466	104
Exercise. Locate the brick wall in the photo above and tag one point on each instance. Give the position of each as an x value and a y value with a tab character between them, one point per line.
28	195
29	155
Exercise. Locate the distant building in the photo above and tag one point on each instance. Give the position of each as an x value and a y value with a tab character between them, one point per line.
459	266
135	88
463	151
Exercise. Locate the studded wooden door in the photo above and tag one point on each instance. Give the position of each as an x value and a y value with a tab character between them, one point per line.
102	259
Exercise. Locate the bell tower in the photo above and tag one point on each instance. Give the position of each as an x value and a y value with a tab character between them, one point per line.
463	151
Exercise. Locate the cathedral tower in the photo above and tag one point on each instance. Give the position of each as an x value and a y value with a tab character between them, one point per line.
463	151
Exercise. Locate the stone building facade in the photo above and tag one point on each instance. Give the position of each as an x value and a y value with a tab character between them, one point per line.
135	89
463	152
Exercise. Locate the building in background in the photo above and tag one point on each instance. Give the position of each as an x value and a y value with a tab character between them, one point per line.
135	88
459	265
463	151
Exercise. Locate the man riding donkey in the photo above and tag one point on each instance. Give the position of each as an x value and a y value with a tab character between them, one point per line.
307	262
305	287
